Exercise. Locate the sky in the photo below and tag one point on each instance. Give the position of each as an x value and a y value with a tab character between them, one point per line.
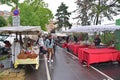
5	7
53	6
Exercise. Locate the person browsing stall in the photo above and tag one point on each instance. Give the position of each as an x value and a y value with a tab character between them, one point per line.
97	40
40	43
49	43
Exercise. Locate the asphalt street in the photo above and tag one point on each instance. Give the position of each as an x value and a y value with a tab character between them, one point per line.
66	66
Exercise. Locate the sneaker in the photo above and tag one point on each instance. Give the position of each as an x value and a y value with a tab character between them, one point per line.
51	60
48	60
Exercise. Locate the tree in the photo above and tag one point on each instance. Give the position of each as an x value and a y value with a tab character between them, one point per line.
10	2
63	17
3	22
83	7
37	3
98	9
103	9
118	1
32	12
32	16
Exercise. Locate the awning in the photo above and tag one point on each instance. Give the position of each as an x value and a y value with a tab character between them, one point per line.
93	28
60	34
21	29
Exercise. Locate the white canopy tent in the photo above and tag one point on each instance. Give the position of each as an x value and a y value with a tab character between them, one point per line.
16	48
60	34
21	29
93	28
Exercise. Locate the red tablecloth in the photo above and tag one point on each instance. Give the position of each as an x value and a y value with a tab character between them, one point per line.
70	46
76	47
98	55
80	53
65	45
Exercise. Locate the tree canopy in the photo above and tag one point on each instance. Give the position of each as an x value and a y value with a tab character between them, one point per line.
34	15
10	2
63	17
93	11
3	22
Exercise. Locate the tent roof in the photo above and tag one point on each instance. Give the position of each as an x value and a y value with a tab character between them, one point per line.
93	28
21	29
60	34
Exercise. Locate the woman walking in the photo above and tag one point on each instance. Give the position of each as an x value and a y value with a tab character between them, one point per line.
49	43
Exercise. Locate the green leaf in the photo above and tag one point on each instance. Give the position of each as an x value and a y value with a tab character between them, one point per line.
32	16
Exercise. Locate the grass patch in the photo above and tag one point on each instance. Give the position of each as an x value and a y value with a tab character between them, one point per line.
3	57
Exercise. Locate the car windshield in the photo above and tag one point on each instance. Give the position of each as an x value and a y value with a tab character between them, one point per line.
3	37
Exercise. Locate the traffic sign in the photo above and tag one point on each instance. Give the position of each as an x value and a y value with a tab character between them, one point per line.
16	20
16	12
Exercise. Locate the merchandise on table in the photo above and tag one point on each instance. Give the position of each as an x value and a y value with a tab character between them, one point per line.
24	55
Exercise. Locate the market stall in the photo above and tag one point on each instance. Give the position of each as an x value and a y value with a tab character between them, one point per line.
23	49
95	54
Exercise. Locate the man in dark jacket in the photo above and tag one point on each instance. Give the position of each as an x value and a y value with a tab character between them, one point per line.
97	40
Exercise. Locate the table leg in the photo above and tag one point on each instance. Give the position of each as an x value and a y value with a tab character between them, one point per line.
37	65
15	65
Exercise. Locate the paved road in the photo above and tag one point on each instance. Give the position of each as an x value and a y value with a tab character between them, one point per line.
65	67
111	69
40	74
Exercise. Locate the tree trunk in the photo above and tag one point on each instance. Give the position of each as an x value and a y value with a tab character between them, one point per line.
97	19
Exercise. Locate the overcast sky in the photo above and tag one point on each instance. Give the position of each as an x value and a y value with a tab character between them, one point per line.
53	6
